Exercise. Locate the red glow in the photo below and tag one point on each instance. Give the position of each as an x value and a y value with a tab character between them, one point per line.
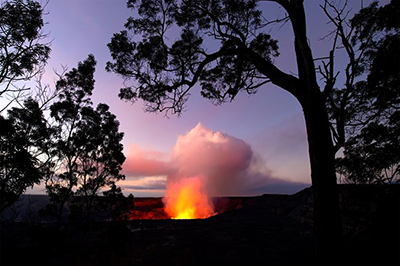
146	208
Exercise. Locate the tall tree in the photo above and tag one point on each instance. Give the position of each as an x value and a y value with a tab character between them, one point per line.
23	53
100	164
164	72
370	108
88	142
25	151
25	154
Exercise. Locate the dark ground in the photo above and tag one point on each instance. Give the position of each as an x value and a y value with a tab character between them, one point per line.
268	230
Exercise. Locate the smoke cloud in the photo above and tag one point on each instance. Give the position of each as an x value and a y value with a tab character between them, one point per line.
222	159
227	165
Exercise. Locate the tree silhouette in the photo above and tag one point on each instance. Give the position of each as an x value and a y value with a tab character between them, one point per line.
23	55
101	162
87	142
224	46
372	121
25	153
25	157
372	157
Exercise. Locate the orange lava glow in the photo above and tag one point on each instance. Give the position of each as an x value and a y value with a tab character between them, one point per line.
186	199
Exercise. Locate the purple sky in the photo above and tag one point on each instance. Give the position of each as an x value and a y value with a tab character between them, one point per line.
270	122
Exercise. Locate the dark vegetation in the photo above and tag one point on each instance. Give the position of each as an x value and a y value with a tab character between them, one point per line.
23	50
373	121
56	136
264	230
23	132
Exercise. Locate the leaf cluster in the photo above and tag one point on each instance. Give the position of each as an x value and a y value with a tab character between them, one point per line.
373	155
372	113
22	55
77	151
25	151
212	49
87	141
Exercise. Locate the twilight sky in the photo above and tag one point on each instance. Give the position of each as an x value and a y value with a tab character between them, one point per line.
268	124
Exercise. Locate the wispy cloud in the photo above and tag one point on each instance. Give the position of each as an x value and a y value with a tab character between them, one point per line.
144	183
141	162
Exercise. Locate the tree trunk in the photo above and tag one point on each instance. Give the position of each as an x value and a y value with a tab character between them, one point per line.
327	223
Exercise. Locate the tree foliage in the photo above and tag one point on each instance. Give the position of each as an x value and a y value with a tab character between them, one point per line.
373	156
368	106
25	154
23	53
25	151
87	142
77	149
165	71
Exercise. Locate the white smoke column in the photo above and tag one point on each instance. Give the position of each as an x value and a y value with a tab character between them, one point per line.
219	159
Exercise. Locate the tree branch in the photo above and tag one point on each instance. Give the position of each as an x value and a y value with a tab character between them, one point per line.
276	76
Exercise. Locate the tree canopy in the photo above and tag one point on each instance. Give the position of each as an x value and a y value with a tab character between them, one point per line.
74	147
87	141
23	52
25	149
372	118
165	71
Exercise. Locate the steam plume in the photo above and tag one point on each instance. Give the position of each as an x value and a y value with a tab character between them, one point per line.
227	165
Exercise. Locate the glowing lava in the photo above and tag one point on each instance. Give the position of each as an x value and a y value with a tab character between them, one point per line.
187	199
